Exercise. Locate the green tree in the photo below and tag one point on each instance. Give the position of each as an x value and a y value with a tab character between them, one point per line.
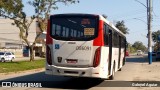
121	26
139	46
130	48
13	9
155	35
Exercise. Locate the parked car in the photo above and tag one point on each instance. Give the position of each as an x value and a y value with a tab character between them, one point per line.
153	53
127	53
158	56
6	56
139	52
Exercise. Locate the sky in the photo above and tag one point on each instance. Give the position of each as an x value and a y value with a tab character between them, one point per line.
133	13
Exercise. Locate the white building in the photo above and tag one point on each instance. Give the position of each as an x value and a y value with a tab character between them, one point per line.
9	34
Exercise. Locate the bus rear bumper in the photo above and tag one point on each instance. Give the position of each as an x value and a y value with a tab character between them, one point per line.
76	72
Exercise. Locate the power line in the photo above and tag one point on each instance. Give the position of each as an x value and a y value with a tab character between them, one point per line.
128	14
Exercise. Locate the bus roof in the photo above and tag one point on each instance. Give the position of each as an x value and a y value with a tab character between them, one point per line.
111	24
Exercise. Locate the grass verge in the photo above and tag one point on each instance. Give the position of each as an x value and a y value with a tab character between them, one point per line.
21	66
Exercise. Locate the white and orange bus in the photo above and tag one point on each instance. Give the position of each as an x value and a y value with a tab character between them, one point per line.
84	45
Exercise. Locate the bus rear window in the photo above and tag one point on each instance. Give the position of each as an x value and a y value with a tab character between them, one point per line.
79	28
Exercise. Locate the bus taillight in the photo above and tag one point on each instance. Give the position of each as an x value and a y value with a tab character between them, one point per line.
48	37
97	57
49	57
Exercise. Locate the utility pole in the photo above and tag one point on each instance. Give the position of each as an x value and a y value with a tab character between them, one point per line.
149	20
149	26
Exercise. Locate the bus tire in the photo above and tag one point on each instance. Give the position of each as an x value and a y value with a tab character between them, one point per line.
113	73
120	69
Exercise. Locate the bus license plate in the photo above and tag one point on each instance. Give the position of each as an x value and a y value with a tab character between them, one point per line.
71	61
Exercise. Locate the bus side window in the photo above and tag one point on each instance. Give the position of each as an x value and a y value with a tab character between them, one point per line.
123	43
115	39
110	37
106	35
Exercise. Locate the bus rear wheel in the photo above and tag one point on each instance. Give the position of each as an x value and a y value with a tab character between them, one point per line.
120	69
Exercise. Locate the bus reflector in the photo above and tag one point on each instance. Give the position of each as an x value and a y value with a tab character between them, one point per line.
49	57
97	57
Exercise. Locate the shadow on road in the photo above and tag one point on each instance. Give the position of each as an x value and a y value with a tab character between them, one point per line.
139	59
48	81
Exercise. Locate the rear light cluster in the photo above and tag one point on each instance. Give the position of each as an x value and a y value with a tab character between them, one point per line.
49	57
97	57
48	37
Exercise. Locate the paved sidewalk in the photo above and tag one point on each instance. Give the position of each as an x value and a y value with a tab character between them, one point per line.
140	70
149	72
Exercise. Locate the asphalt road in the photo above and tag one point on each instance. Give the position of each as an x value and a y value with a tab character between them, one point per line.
135	69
